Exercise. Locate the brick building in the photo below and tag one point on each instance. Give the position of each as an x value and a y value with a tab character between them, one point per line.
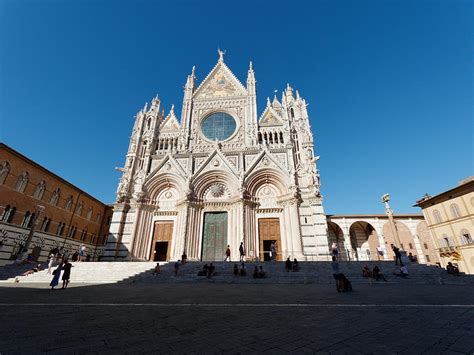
70	215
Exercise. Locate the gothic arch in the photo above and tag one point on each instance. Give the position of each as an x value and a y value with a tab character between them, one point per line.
336	235
364	240
426	243
406	238
269	176
204	182
161	182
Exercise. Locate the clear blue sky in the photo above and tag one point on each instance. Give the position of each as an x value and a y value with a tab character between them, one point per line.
389	84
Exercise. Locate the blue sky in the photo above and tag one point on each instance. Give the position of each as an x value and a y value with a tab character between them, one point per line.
389	84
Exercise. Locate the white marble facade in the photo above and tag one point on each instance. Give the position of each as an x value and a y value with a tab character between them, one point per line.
220	157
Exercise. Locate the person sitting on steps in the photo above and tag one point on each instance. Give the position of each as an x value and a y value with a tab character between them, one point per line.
243	270
403	272
262	273
236	270
32	271
366	272
377	274
452	269
288	264
204	270
255	272
212	271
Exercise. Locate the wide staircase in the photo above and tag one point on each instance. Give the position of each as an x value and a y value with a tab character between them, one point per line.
317	272
81	272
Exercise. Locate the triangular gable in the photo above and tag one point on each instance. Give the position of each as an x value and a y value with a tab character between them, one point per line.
171	122
220	82
270	118
216	160
167	165
266	160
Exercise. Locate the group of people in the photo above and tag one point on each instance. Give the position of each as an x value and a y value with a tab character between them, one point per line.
242	271
291	266
375	273
63	266
241	253
208	271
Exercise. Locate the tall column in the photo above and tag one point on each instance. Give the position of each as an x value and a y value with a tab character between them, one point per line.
297	250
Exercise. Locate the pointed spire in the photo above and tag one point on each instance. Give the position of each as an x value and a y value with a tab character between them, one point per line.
145	107
268	102
251	66
193	70
297	95
172	109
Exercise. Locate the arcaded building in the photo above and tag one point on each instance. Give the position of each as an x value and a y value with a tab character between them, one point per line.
222	173
66	218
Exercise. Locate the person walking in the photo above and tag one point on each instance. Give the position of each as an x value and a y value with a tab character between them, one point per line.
336	274
334	250
67	273
176	267
50	263
379	252
56	275
81	254
241	251
227	254
398	255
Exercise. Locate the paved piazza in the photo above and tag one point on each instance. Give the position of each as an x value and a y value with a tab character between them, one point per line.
230	318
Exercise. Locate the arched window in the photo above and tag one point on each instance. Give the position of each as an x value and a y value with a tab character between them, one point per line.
281	138
22	182
60	228
4	171
83	234
455	211
292	113
8	213
260	138
45	224
68	204
79	208
437	216
26	219
39	191
89	214
98	217
466	237
55	197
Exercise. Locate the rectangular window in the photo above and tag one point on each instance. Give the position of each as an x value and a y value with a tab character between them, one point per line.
427	258
410	245
426	245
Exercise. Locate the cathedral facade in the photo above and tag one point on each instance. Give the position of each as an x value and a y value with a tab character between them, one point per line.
220	175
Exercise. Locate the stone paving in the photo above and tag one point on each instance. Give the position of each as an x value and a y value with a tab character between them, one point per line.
237	318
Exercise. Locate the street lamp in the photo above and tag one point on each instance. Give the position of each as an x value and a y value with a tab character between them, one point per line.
24	249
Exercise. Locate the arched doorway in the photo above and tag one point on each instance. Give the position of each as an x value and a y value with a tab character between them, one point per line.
336	235
426	243
407	242
364	240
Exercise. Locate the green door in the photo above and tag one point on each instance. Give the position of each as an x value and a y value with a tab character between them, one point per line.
214	238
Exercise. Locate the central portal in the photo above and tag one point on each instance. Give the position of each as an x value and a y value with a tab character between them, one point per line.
214	236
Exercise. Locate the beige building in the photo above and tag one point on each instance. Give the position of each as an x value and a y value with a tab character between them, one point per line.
450	219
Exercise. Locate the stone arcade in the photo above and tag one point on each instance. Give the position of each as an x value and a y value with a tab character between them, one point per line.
220	176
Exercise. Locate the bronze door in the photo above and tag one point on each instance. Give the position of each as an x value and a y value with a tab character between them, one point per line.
214	238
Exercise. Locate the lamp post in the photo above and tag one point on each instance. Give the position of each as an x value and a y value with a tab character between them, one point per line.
24	249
